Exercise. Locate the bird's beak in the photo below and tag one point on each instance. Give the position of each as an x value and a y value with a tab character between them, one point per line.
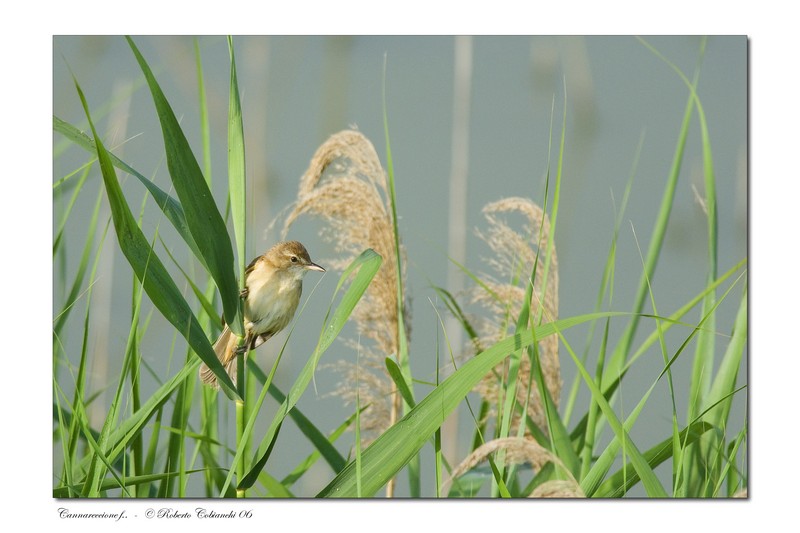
314	266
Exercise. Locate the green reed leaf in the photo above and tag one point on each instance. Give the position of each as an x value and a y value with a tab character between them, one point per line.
148	268
202	216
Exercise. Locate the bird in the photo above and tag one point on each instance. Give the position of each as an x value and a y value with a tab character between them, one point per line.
272	289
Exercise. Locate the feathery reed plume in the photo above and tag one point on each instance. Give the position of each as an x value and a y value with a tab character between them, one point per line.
518	451
513	256
375	391
558	488
345	185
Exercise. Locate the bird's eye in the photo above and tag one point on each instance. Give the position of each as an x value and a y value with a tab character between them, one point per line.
294	259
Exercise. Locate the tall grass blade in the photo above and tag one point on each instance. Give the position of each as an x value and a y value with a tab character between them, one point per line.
237	167
588	432
210	401
620	354
130	367
606	288
202	216
148	268
559	436
137	446
236	191
62	435
205	130
730	473
176	444
704	354
358	428
402	355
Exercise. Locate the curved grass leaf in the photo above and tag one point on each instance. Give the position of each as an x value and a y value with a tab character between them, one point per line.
148	268
202	216
397	376
275	488
459	315
400	443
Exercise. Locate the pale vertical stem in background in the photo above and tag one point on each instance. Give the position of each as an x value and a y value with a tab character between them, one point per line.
457	209
101	300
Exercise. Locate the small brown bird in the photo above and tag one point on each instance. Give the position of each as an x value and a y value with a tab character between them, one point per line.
273	285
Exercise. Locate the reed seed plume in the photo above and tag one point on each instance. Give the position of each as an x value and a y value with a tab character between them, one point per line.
346	186
514	253
519	451
558	488
375	391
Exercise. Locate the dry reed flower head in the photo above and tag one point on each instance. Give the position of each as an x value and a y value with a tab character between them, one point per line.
374	391
513	256
518	451
558	488
345	185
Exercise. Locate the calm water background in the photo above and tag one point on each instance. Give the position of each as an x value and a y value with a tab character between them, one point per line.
299	90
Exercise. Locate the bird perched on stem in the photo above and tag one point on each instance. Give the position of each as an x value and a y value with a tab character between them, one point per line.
273	285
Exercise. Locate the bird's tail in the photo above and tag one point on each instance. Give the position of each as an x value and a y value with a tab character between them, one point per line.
225	348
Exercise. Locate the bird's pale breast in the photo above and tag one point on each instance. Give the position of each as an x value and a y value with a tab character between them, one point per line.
272	299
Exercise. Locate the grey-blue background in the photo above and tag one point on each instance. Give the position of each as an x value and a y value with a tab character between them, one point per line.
297	91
